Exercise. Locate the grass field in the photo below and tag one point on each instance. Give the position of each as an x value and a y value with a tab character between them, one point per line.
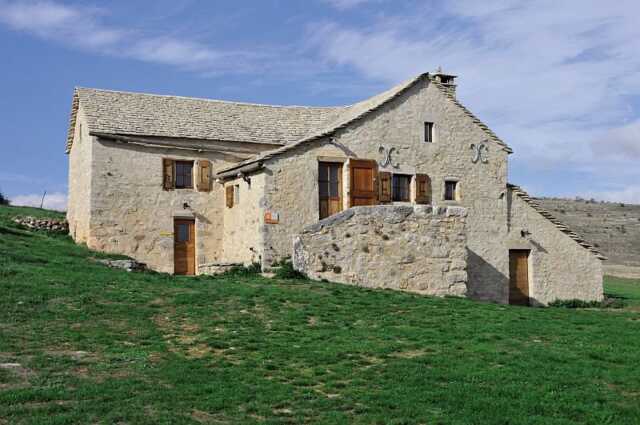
81	343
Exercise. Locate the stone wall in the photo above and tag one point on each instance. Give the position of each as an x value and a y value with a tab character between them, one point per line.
412	248
400	124
559	267
131	214
80	171
242	222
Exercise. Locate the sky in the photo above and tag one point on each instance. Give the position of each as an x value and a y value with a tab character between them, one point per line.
558	80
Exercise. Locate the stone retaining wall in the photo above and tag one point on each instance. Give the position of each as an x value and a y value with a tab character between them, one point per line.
48	224
416	248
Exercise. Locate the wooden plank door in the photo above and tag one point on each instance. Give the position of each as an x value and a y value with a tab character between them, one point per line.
184	247
330	188
363	182
519	276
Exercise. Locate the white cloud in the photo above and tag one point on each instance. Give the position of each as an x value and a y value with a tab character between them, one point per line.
552	78
345	4
83	28
52	201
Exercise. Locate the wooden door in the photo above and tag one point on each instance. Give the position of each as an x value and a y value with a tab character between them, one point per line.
184	247
330	188
363	182
519	276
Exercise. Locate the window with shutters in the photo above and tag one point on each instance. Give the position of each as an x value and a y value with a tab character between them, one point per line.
329	188
451	190
183	174
401	188
236	194
428	132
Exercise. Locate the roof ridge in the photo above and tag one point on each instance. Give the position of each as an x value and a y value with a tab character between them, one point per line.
522	194
204	99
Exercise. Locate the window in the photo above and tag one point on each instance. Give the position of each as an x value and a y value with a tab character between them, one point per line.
401	185
450	190
428	132
184	179
236	194
183	232
329	190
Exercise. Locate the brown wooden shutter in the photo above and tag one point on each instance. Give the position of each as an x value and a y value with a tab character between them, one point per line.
167	171
229	196
423	189
384	186
204	172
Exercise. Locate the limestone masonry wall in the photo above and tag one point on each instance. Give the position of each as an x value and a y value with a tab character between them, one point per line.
292	179
415	248
79	201
559	268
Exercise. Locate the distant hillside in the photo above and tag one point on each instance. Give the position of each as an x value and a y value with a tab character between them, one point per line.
613	227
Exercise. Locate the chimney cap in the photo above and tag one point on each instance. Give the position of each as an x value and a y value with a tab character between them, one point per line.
440	72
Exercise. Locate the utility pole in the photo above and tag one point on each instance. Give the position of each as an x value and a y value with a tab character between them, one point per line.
42	201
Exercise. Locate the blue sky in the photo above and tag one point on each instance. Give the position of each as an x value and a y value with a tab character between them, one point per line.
558	80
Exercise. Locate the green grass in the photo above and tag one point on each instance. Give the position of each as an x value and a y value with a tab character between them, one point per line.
97	345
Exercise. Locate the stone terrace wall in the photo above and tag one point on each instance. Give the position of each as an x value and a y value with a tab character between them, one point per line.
416	248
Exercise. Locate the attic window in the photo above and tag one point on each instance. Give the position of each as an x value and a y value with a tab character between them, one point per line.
428	132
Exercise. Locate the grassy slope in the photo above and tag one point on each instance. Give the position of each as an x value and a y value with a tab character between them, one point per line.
101	345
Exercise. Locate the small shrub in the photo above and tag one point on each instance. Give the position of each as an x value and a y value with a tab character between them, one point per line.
241	270
285	270
608	302
3	199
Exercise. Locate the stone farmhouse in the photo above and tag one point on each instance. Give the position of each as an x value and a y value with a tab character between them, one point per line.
405	190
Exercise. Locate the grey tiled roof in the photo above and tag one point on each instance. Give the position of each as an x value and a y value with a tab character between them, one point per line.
139	114
519	192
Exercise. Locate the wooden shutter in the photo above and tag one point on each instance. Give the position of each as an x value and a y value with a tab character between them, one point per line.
204	172
384	186
423	189
229	196
167	171
363	183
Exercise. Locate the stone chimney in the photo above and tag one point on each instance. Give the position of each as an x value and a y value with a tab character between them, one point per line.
447	80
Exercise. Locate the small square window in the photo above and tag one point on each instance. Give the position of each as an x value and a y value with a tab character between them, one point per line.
428	132
184	177
401	184
450	190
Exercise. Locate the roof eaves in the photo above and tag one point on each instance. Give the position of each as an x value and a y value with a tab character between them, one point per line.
75	103
522	194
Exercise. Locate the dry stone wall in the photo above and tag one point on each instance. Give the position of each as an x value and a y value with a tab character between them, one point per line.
416	248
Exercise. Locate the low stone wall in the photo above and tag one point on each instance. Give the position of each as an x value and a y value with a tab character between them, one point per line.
48	224
416	248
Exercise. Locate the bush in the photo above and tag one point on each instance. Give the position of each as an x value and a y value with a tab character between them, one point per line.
608	302
3	199
239	270
285	270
